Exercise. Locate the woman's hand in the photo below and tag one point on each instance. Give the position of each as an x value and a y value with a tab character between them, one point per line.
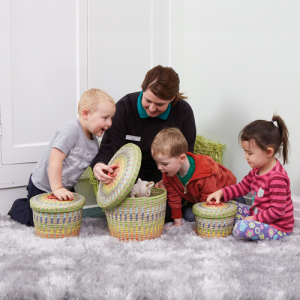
215	196
63	194
104	172
161	185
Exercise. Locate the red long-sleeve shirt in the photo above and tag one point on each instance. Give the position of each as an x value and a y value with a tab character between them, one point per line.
208	177
271	197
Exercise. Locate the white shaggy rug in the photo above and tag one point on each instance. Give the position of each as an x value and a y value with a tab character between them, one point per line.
179	265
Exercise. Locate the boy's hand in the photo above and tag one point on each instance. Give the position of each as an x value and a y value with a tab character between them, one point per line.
63	194
215	196
161	185
104	172
177	223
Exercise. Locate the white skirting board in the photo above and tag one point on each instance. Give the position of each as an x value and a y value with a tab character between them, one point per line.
296	202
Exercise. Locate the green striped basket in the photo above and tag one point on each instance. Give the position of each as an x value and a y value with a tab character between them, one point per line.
131	218
214	220
138	218
56	219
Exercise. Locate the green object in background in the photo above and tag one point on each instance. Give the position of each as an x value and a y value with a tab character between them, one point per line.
202	146
93	180
208	147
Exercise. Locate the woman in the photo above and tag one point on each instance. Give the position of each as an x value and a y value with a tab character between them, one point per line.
140	116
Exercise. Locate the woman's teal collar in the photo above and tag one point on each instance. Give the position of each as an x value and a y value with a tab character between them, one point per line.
143	114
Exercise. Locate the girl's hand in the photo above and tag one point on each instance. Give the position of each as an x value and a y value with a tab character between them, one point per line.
104	172
215	196
63	194
177	223
249	218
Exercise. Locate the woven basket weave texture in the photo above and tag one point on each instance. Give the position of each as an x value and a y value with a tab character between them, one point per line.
138	218
128	159
57	219
129	218
214	221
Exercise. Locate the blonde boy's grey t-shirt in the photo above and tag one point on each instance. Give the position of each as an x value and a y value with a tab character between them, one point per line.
79	151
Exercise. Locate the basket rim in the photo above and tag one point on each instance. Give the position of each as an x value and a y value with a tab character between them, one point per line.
58	210
153	198
232	210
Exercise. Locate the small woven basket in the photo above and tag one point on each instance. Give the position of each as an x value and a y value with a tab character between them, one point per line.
138	218
214	221
56	219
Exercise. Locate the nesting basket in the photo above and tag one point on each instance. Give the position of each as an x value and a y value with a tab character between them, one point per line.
214	220
56	219
131	218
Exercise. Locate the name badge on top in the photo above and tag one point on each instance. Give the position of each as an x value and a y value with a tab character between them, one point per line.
133	138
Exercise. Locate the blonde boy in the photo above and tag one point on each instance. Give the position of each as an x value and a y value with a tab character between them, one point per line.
186	175
69	153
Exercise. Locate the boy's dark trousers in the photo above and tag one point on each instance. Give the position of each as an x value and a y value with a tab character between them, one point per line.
21	210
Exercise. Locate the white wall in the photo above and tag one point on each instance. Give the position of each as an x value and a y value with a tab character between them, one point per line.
50	53
239	61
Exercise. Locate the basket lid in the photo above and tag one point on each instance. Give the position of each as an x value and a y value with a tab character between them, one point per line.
128	159
213	211
46	203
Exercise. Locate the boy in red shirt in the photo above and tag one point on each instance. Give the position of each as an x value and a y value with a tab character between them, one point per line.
186	175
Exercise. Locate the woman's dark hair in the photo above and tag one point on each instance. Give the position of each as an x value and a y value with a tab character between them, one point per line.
266	134
163	83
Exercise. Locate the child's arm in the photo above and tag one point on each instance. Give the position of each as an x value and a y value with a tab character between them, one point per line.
238	189
55	170
174	200
215	196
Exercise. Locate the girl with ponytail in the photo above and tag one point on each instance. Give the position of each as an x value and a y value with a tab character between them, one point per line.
271	214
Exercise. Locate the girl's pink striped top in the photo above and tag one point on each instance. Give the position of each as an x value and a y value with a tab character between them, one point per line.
271	197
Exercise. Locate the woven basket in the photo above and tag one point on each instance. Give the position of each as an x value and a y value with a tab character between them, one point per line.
214	220
56	219
138	218
131	218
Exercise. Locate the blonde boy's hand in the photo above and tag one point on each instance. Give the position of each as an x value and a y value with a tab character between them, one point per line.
161	185
63	194
103	172
215	196
177	223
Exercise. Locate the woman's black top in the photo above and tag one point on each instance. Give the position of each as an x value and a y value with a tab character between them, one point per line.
127	121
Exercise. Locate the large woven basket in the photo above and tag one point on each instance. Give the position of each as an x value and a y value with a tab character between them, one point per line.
56	219
214	220
138	218
131	218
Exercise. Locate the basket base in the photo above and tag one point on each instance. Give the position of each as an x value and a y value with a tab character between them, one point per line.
137	235
214	228
57	225
57	233
213	234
